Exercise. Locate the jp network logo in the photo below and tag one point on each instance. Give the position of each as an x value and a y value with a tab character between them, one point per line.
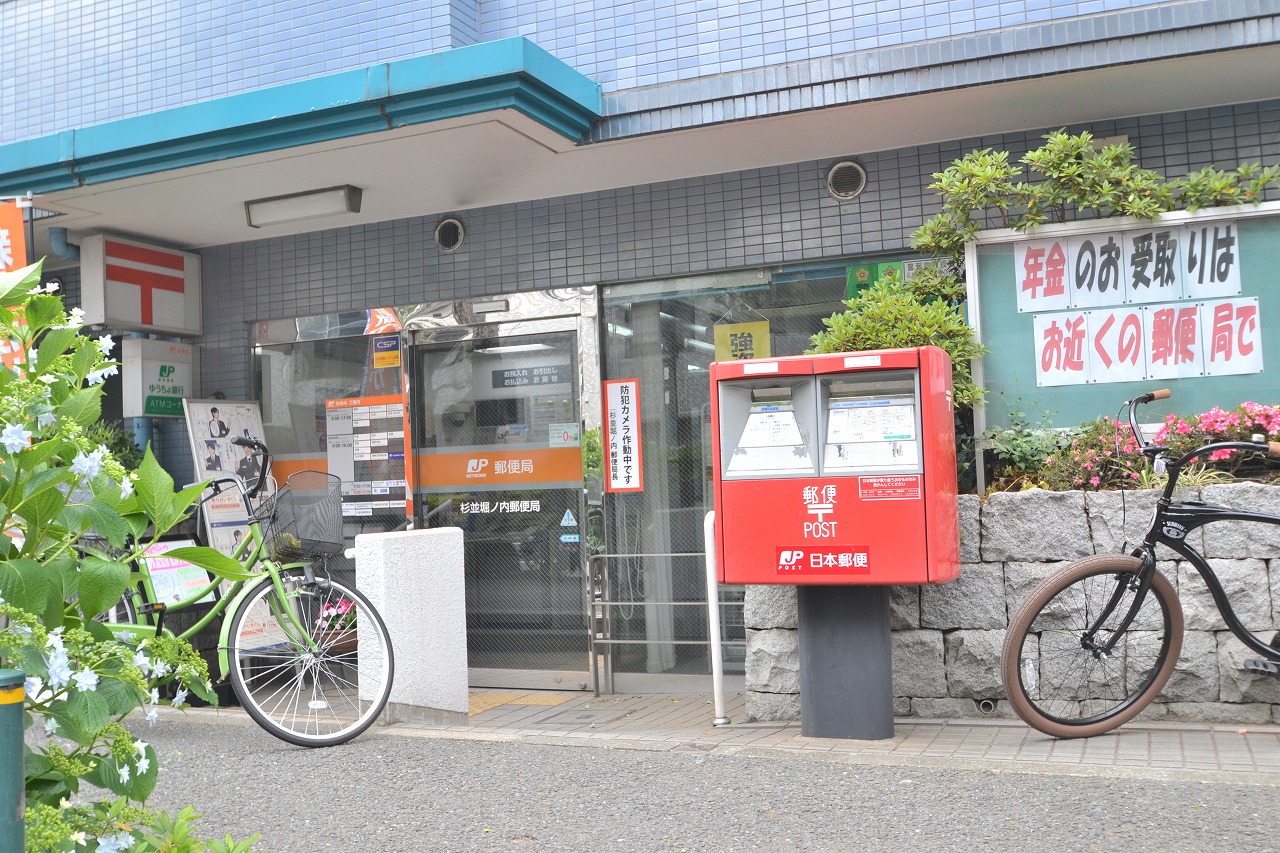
789	559
476	467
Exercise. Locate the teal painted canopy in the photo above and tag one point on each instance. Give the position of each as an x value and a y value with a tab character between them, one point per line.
511	73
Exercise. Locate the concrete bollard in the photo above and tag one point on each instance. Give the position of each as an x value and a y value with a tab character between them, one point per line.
13	782
415	579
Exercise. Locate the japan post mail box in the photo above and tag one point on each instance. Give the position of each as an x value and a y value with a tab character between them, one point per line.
836	469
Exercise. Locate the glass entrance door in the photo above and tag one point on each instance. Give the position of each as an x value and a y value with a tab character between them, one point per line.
497	453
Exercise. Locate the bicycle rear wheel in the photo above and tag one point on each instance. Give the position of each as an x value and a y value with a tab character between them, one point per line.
1055	675
318	687
122	612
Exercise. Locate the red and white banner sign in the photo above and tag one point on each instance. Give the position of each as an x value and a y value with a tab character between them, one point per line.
134	286
1166	341
1157	263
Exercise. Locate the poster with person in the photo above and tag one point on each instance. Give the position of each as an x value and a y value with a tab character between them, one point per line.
211	426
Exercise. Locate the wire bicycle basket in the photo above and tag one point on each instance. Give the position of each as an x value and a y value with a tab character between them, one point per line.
303	519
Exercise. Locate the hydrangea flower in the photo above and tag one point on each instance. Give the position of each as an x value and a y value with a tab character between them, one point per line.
86	679
59	666
115	843
15	438
88	465
106	343
99	376
59	671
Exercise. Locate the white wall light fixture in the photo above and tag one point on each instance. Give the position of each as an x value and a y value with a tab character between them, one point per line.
296	207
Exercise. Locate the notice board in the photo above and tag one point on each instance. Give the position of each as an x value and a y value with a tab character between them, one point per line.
1186	302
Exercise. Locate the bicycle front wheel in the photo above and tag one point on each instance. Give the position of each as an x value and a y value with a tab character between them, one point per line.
1062	680
315	668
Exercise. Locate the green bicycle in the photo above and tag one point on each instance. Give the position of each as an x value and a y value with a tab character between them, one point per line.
307	654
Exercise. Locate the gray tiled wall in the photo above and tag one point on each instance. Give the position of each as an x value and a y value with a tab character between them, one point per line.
117	58
749	219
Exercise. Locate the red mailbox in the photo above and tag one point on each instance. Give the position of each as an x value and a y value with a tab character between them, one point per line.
836	469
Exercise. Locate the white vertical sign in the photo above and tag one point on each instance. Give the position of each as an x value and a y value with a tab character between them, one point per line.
1118	351
1043	275
1232	338
623	465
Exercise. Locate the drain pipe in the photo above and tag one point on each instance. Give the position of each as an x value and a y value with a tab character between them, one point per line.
58	243
713	620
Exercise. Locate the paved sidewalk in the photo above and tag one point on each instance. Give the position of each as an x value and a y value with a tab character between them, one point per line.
683	722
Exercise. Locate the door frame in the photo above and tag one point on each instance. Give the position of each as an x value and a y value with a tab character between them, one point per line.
522	314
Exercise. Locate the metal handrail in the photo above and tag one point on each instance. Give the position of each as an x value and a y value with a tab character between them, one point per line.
601	640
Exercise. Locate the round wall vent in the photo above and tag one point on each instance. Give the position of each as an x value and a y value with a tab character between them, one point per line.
846	180
449	235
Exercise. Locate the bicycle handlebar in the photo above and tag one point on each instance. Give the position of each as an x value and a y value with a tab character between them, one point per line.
1270	448
1141	399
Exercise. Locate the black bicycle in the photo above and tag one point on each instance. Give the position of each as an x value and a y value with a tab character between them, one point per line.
1094	643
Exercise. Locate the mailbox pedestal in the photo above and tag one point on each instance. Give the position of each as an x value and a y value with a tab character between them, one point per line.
846	670
837	473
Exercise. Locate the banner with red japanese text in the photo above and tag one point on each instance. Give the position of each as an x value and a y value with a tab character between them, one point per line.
1079	316
1148	342
1117	267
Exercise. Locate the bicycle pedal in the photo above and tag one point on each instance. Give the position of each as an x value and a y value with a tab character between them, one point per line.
1263	667
158	609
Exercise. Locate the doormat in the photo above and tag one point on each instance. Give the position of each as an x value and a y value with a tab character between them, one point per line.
479	702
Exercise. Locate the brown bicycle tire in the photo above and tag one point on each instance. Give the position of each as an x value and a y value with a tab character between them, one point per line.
1020	626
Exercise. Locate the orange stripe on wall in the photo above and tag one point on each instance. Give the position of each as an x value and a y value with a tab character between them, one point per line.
500	467
281	469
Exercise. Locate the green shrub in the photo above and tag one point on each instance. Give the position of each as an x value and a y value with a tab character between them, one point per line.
892	314
118	440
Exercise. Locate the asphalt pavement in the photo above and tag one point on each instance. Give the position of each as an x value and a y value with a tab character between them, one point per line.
568	772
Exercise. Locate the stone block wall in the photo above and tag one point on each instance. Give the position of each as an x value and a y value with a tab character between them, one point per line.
946	639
